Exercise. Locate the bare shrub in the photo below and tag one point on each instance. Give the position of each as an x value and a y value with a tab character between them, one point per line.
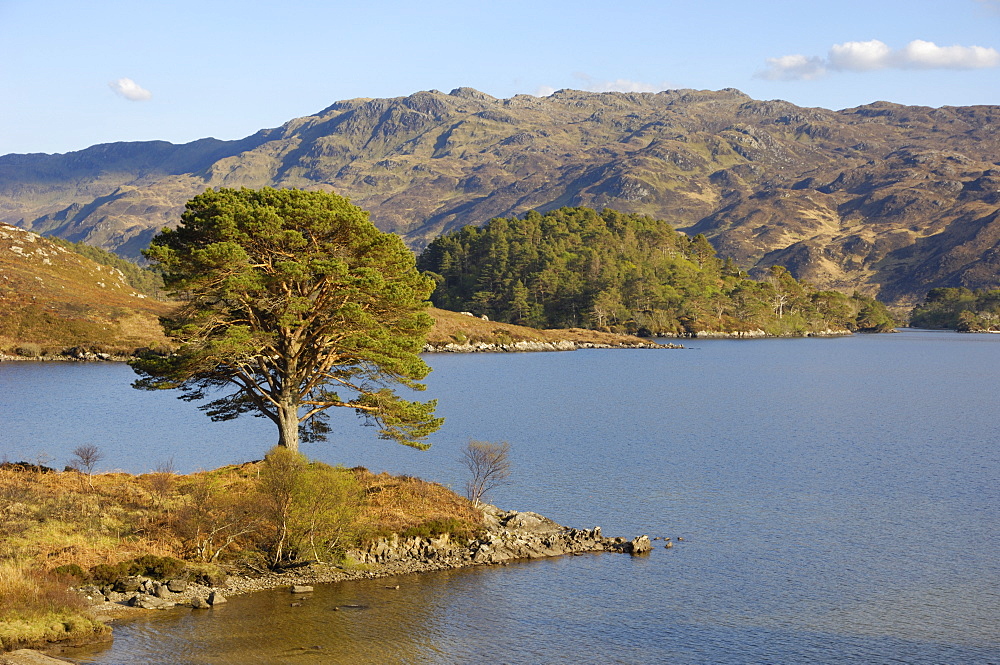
213	519
161	481
489	467
85	458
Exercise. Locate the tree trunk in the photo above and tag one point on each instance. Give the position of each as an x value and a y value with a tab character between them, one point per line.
288	427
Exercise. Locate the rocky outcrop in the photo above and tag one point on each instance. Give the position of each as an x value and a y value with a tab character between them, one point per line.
148	594
509	535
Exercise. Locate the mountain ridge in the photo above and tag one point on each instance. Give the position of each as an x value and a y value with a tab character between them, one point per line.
882	198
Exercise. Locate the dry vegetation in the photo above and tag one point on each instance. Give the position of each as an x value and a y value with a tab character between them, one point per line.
92	527
454	327
52	298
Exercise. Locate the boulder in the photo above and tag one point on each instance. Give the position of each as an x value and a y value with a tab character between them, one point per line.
147	602
29	657
199	603
301	588
640	545
177	586
216	598
128	584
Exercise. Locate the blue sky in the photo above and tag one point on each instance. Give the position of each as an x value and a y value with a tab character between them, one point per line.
75	74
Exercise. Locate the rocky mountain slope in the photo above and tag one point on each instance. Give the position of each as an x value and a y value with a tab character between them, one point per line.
884	198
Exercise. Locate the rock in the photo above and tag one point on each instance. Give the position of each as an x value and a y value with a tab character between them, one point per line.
508	535
177	586
301	588
161	591
147	602
128	584
216	598
29	657
199	603
640	545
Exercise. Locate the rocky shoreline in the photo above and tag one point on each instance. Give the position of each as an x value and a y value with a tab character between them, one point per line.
760	334
531	345
508	536
75	355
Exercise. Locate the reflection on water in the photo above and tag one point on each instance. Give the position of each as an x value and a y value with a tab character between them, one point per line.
838	500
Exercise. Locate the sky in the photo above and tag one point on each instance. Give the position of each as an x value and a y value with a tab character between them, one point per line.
75	74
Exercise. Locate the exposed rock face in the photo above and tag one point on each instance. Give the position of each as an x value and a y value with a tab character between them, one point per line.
509	536
881	197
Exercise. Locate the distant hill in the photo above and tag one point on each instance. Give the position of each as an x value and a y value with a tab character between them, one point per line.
52	299
887	199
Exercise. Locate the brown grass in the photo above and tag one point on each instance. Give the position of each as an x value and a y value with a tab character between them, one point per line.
50	519
454	327
36	607
54	519
398	503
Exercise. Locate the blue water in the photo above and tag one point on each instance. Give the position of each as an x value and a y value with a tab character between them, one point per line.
837	498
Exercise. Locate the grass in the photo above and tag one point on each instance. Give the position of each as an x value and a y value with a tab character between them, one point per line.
58	528
36	607
458	328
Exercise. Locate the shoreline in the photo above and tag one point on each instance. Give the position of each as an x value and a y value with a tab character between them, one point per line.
509	537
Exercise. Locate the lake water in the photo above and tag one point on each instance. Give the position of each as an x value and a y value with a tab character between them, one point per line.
838	501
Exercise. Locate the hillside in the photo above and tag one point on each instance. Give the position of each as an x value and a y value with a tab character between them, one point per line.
52	299
888	199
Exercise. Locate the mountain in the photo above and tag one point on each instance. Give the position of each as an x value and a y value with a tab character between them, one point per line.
887	199
52	298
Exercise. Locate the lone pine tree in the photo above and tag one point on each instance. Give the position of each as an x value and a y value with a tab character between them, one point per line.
292	302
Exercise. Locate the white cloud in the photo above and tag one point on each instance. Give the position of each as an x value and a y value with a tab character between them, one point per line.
919	54
130	90
859	56
544	91
793	68
874	54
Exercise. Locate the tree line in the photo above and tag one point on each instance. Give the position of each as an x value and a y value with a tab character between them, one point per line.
608	270
959	309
